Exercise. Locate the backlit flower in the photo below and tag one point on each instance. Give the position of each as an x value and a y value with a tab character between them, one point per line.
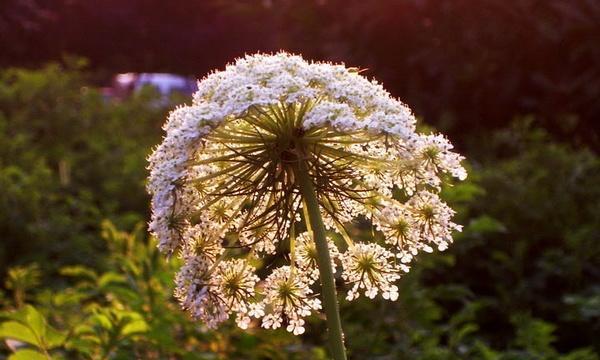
305	255
288	299
225	186
211	292
370	268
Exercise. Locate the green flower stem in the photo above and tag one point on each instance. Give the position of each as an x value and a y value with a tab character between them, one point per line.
329	294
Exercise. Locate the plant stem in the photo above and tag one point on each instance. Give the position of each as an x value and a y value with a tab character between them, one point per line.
329	294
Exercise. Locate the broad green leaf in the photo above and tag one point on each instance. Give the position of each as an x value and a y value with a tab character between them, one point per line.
83	329
83	346
135	327
54	338
103	320
35	321
27	354
17	331
132	322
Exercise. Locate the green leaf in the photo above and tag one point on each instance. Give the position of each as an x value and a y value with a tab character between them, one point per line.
135	327
534	335
54	338
462	332
485	224
581	354
83	329
103	320
485	352
35	320
134	323
463	192
71	296
27	354
17	331
110	278
79	271
30	326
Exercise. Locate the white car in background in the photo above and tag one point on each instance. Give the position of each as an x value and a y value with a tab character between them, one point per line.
125	84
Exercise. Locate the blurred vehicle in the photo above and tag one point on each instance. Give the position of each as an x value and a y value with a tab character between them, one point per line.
125	84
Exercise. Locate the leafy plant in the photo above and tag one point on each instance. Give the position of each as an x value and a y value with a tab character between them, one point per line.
28	327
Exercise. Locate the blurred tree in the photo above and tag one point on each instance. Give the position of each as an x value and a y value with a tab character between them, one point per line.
466	65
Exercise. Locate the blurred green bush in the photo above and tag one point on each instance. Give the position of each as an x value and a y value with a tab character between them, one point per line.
521	282
68	157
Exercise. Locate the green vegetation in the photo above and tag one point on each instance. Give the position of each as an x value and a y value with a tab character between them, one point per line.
82	280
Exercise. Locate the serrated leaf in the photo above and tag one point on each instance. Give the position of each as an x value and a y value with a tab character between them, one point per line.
27	354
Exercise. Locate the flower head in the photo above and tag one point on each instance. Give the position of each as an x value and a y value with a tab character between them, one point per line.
288	299
211	292
305	255
224	185
370	268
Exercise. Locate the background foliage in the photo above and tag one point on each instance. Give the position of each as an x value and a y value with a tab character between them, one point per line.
465	65
515	84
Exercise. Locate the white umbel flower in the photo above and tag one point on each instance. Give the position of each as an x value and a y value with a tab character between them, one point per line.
305	255
370	268
211	292
224	185
288	300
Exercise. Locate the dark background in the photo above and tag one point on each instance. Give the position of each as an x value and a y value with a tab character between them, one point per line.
464	65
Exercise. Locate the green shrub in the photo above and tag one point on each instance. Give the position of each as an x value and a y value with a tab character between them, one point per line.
520	282
68	157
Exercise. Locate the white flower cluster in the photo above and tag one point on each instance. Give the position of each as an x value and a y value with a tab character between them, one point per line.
224	183
369	267
305	255
288	298
211	293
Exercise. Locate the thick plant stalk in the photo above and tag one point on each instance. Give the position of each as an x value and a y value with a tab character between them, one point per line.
330	303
